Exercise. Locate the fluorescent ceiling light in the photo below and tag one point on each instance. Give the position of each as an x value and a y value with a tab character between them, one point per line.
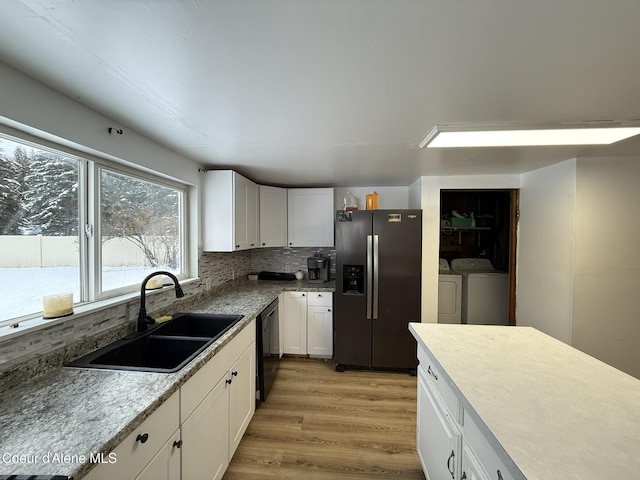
451	136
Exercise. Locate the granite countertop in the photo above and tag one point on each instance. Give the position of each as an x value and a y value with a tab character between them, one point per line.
557	412
77	412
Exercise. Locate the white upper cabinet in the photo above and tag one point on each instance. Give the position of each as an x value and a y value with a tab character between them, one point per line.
310	217
230	212
273	216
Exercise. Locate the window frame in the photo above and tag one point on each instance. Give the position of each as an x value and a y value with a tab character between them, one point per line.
95	240
90	263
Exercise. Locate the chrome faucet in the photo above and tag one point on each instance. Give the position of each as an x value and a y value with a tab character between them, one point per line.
145	320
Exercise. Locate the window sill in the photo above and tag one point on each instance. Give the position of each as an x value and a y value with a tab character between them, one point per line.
36	322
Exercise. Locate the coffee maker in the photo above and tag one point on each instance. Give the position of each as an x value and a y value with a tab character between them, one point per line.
318	267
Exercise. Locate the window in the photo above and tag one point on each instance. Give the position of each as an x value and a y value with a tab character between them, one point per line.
54	240
39	227
140	229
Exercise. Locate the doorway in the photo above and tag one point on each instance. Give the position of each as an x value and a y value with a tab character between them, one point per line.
482	224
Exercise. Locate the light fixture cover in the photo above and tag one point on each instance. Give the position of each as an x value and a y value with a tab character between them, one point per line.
456	136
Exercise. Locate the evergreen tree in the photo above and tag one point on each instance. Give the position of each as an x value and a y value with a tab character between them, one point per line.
51	198
13	171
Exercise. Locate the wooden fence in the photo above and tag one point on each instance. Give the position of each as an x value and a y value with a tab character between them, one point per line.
22	251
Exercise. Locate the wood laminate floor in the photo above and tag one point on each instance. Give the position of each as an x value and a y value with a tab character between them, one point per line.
319	424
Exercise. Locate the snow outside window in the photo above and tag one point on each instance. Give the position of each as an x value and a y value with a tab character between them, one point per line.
54	240
39	227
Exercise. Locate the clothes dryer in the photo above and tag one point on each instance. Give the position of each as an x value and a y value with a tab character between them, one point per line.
485	292
449	294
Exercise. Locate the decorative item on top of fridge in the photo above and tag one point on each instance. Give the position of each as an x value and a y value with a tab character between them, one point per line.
350	202
372	201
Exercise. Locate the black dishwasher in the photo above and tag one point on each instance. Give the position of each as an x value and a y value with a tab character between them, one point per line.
268	349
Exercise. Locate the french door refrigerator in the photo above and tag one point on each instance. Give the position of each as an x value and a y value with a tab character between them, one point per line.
378	288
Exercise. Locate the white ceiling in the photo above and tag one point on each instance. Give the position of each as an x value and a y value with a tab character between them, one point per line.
336	92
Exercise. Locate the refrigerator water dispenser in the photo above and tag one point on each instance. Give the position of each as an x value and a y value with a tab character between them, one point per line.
353	279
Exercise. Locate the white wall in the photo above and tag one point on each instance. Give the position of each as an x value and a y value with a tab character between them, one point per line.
606	300
545	249
430	203
33	107
415	191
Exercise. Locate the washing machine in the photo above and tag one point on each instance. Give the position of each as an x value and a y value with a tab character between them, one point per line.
485	292
449	294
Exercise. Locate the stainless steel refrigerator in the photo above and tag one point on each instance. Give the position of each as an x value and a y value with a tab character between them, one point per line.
378	288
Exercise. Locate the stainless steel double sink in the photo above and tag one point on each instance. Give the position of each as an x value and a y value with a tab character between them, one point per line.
164	348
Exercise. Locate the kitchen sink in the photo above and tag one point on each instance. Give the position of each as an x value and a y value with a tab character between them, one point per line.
207	325
147	353
164	349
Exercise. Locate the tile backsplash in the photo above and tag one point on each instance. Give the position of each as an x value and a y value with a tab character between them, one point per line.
36	353
289	259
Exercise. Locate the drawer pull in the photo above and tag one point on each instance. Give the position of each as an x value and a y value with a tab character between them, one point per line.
177	443
142	437
431	372
450	463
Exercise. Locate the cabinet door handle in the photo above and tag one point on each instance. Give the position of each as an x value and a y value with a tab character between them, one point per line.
228	381
431	372
303	294
235	374
328	309
177	443
450	463
142	437
500	475
464	476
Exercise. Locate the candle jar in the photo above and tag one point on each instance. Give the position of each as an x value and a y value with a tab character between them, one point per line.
54	306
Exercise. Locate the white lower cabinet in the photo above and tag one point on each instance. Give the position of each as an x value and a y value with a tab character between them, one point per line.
194	434
166	464
148	452
471	468
487	456
214	419
308	323
205	433
438	436
450	444
242	396
320	324
294	314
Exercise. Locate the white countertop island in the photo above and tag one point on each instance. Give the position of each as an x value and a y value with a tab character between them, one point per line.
557	412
